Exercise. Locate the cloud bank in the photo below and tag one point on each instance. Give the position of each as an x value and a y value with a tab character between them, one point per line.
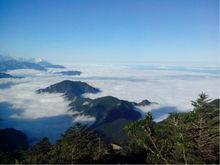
166	87
41	115
38	115
23	96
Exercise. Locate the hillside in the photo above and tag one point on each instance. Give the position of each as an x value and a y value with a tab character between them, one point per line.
12	140
107	110
190	138
182	138
111	116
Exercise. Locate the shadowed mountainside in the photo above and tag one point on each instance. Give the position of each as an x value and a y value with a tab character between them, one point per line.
107	110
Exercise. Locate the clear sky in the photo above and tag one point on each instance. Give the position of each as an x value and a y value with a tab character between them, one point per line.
111	31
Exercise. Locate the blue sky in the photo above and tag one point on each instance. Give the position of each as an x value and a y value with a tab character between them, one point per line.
111	31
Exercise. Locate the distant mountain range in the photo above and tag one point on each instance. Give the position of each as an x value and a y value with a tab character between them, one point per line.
69	73
5	75
10	63
110	112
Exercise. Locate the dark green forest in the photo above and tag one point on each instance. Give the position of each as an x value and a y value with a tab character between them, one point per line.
186	138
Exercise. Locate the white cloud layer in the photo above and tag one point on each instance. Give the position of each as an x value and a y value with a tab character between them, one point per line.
23	96
38	115
169	88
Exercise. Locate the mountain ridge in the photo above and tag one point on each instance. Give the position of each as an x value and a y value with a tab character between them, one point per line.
70	88
10	63
106	110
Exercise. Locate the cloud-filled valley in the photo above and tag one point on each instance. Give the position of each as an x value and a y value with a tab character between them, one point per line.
167	87
41	115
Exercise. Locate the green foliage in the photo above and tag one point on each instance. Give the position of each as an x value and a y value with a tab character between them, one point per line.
114	131
39	153
191	137
183	138
111	116
78	145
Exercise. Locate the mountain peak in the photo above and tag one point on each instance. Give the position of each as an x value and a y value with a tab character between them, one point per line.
70	88
37	60
45	63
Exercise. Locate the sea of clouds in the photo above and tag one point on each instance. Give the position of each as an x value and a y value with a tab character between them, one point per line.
167	87
38	115
41	115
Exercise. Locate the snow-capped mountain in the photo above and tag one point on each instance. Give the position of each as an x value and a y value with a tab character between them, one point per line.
37	60
10	63
44	63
